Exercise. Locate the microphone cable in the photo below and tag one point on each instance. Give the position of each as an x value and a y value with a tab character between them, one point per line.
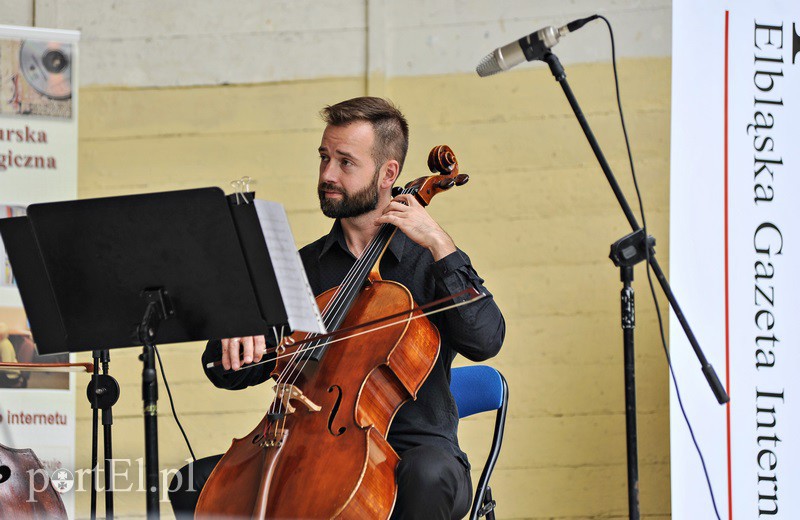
649	277
172	403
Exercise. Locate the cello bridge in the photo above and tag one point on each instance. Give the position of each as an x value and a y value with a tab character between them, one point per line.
286	393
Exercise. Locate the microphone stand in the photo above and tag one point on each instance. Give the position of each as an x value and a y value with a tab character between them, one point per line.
159	308
626	253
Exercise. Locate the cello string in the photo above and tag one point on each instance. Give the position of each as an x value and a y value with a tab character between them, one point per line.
335	307
363	263
330	313
361	268
356	272
278	341
452	306
334	310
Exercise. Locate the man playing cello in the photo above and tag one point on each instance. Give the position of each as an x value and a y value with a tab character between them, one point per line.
361	156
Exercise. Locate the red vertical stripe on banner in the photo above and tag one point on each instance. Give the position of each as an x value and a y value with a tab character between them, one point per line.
727	308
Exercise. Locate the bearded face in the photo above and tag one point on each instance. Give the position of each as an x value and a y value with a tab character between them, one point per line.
350	204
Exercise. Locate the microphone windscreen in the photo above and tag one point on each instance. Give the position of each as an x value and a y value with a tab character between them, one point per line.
488	65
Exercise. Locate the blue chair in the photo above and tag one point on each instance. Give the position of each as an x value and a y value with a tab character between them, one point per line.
477	389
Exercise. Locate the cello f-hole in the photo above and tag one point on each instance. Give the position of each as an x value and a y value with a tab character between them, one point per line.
334	410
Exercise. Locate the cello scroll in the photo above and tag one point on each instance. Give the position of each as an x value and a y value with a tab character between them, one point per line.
441	161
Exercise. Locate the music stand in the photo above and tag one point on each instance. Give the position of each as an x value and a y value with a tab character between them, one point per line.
136	270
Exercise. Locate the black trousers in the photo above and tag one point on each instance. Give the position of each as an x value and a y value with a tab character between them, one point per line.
431	484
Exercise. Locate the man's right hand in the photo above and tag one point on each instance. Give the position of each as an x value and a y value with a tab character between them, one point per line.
252	350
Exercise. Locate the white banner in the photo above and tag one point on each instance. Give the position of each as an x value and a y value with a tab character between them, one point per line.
735	254
38	163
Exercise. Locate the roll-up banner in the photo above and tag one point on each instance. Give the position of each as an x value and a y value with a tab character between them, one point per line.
735	255
38	163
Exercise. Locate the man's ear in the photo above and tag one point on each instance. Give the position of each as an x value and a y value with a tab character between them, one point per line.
391	170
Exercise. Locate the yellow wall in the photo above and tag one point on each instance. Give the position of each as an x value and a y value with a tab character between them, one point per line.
537	219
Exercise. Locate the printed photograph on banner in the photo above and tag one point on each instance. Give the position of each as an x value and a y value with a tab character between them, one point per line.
6	276
16	342
35	78
17	346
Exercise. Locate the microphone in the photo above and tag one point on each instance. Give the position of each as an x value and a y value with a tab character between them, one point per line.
528	48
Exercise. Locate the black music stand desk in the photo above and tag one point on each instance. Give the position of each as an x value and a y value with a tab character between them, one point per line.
135	270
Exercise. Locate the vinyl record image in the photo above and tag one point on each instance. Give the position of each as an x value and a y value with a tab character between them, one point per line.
47	66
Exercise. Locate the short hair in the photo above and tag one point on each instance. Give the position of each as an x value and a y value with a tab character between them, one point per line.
388	123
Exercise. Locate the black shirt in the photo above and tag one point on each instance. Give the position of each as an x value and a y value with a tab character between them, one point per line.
475	330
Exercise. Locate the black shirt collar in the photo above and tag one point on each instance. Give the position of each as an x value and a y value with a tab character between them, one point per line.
336	236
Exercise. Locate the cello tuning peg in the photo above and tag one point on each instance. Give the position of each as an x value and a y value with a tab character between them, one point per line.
461	179
446	184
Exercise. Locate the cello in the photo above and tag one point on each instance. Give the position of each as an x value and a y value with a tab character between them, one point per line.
321	450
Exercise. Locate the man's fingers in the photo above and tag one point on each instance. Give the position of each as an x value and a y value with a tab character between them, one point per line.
388	219
239	351
395	210
226	359
395	205
233	353
247	351
260	348
406	199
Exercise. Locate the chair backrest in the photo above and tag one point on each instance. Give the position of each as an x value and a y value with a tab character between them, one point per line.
476	389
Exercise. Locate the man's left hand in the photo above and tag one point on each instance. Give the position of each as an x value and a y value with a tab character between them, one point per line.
407	214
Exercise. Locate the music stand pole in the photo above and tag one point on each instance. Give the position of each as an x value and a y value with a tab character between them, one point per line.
92	390
102	393
108	420
630	250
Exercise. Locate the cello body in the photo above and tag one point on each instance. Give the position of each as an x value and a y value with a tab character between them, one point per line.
334	462
23	477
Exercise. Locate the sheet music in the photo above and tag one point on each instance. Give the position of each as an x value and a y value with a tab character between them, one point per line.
298	299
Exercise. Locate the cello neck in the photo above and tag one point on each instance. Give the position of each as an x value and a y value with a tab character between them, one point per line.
336	310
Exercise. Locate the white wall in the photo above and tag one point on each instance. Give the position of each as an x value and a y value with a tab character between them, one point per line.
211	42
